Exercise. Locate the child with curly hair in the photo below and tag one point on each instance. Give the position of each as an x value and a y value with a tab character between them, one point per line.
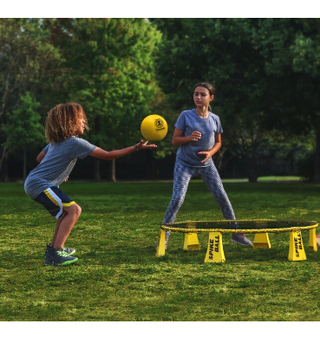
65	122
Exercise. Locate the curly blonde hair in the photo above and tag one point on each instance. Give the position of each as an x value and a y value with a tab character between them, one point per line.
63	120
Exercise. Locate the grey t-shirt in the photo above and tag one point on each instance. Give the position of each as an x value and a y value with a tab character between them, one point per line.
189	121
57	164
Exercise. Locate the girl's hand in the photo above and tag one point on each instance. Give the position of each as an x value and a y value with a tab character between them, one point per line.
195	136
145	145
208	154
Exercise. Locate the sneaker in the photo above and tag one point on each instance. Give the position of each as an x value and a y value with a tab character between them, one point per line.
241	239
68	250
57	257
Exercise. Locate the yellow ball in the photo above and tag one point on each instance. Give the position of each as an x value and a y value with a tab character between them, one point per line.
154	128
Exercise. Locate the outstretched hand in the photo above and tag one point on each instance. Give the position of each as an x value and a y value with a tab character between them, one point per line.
144	145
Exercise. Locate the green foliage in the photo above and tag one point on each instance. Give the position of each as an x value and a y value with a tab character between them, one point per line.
29	63
25	128
28	60
111	73
107	65
266	72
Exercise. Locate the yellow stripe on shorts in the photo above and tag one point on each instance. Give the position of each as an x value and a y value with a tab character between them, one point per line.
50	194
68	204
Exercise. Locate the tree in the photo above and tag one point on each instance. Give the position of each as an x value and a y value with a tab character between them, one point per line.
25	129
110	72
292	55
266	71
220	51
28	62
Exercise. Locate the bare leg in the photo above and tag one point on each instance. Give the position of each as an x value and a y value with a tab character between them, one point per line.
65	225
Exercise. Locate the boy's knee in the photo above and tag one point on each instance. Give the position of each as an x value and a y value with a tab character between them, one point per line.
78	210
75	209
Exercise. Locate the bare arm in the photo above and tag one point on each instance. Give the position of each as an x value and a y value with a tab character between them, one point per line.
178	139
116	154
40	156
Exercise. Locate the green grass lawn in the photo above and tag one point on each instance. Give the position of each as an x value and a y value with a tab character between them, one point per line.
118	277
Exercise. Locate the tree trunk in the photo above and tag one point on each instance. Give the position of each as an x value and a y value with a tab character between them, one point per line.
4	174
96	175
112	173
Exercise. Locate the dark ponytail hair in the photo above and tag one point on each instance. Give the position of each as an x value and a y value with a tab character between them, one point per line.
208	86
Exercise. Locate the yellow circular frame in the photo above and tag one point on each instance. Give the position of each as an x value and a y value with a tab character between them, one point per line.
261	229
191	226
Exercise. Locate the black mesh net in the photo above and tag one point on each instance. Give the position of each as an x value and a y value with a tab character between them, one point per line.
244	225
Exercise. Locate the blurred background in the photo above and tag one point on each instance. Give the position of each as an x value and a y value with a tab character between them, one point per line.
266	73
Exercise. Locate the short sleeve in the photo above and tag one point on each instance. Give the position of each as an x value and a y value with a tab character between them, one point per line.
81	148
181	122
46	148
219	126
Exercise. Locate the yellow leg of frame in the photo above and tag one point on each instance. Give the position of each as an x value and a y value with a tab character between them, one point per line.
313	240
191	241
261	241
296	248
215	251
161	248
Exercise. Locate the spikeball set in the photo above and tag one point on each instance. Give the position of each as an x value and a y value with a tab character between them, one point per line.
260	228
154	128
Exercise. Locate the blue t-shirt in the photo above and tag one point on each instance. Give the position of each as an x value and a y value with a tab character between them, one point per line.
57	164
209	127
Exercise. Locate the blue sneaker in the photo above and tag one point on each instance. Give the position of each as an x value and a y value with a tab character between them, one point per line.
68	250
57	257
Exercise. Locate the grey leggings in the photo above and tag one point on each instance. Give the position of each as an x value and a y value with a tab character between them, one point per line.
182	177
